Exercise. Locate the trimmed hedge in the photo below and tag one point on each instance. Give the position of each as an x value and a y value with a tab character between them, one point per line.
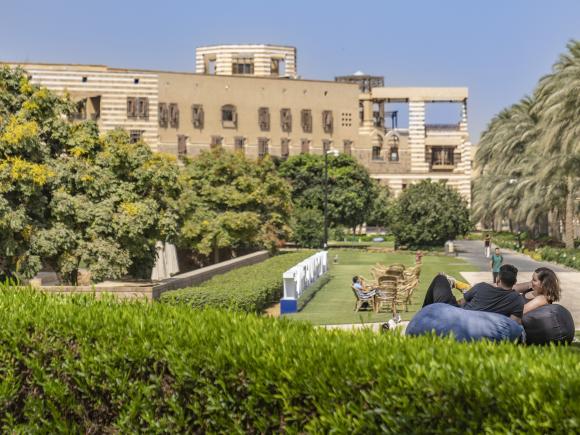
73	364
251	288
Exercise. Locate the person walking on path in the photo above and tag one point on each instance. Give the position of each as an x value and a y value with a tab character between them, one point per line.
495	263
487	245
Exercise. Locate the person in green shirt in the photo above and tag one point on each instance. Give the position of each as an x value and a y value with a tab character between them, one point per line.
495	263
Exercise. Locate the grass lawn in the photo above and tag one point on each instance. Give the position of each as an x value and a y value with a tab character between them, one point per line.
334	303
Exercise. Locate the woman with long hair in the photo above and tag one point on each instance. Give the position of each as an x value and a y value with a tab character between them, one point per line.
545	289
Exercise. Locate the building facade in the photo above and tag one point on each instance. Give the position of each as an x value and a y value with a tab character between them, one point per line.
247	98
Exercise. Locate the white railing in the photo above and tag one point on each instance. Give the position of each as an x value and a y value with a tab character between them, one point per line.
300	277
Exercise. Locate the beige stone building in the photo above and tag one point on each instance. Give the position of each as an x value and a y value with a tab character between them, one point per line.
248	98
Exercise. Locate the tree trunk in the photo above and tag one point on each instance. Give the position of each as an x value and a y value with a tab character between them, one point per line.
569	220
216	252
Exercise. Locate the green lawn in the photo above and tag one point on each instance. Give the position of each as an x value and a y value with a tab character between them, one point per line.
334	303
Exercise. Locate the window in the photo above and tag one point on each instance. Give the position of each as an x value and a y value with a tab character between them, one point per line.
264	119
80	111
163	115
285	148
262	146
394	148
326	145
442	157
84	79
181	145
286	120
209	65
95	107
304	146
394	153
327	122
306	120
229	116
243	65
131	107
347	147
197	116
239	143
143	107
173	115
136	81
377	153
216	141
135	136
346	119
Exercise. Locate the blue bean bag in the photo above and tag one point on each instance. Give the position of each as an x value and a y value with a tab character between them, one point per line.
465	325
549	324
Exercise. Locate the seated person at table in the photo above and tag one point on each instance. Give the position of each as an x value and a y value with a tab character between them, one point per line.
359	284
499	298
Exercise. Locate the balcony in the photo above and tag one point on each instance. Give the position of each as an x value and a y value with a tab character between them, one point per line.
441	127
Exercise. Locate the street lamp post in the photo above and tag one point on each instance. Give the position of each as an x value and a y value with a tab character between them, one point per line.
326	153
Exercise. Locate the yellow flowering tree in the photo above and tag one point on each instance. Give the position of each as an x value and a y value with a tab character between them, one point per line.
70	197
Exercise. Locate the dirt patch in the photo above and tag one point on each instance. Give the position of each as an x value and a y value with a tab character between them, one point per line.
273	311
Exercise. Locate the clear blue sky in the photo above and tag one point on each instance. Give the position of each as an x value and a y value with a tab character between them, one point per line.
498	48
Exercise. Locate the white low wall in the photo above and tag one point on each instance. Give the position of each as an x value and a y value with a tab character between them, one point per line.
300	277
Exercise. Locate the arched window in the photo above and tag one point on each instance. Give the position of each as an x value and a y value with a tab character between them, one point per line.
229	116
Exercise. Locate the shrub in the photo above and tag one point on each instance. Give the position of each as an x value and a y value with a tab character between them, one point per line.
567	257
73	364
428	214
251	288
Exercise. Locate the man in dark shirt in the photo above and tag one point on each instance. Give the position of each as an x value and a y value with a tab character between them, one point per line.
500	298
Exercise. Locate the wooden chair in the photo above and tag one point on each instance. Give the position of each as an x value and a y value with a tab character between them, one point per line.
362	298
386	294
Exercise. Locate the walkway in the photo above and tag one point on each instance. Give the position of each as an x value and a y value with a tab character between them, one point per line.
472	251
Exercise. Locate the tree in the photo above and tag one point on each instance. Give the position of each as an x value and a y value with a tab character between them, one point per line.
308	227
558	108
351	191
69	197
530	154
381	214
428	214
229	201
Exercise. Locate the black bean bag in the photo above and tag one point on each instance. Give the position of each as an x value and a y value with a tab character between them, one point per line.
550	323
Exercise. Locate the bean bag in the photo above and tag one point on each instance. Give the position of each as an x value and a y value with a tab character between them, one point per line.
549	324
465	325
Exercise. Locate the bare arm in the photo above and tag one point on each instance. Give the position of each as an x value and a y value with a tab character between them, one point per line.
537	302
523	286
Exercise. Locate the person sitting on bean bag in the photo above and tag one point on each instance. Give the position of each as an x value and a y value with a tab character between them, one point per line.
499	298
544	321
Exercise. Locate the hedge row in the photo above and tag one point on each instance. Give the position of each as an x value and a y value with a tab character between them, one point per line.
251	288
72	364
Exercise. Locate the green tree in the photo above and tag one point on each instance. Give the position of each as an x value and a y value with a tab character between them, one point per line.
381	214
69	197
428	214
229	201
308	227
351	191
558	143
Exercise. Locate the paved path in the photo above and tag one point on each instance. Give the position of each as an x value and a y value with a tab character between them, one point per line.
472	251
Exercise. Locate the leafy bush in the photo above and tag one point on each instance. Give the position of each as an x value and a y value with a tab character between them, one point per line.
73	364
428	214
567	257
251	288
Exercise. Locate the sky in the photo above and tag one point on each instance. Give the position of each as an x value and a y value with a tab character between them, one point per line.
499	49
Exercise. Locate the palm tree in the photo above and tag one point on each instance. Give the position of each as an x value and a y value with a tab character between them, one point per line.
558	110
